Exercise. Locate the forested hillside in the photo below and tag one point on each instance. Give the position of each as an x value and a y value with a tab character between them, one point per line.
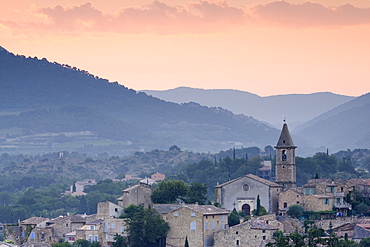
344	127
40	97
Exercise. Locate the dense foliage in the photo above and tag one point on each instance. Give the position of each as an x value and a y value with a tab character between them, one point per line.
315	237
145	225
172	191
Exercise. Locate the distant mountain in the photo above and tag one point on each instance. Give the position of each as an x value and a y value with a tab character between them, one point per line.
297	108
344	127
47	107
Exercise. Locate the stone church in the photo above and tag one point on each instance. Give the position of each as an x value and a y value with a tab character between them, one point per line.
241	193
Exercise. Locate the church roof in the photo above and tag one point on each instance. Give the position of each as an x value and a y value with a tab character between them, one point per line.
285	140
254	177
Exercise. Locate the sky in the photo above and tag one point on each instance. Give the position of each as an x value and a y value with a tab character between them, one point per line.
262	47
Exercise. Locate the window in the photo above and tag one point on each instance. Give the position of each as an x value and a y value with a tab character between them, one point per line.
236	232
192	214
92	227
206	225
223	218
263	231
116	209
326	201
67	225
207	242
246	187
32	235
113	226
238	242
264	237
306	191
22	234
106	227
223	226
341	189
175	214
283	156
122	229
90	238
96	239
193	226
313	191
213	225
297	202
285	204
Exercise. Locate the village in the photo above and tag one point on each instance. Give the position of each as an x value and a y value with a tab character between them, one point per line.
326	200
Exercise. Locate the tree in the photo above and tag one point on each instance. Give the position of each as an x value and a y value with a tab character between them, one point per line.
365	242
170	191
295	211
120	241
233	218
197	193
186	242
145	226
81	243
260	210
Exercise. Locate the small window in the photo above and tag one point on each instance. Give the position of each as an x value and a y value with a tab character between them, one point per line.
206	225
113	226
297	202
192	214
92	227
90	238
193	226
223	218
223	226
32	235
122	229
306	191
96	239
213	225
263	231
264	237
236	232
22	234
283	156
176	214
313	191
237	242
67	225
285	204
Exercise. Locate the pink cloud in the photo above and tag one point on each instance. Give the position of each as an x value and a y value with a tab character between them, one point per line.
194	17
311	14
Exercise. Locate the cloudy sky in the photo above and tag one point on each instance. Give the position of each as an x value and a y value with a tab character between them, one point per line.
263	47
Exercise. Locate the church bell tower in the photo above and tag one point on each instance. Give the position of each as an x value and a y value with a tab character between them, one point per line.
286	174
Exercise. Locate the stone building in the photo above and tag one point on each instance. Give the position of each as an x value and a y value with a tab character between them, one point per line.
65	224
318	203
290	197
330	192
196	222
23	232
241	194
249	233
108	210
285	160
138	195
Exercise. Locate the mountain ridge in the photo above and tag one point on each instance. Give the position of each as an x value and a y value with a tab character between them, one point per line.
267	109
32	84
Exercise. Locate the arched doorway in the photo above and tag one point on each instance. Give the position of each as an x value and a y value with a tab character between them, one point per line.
246	209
